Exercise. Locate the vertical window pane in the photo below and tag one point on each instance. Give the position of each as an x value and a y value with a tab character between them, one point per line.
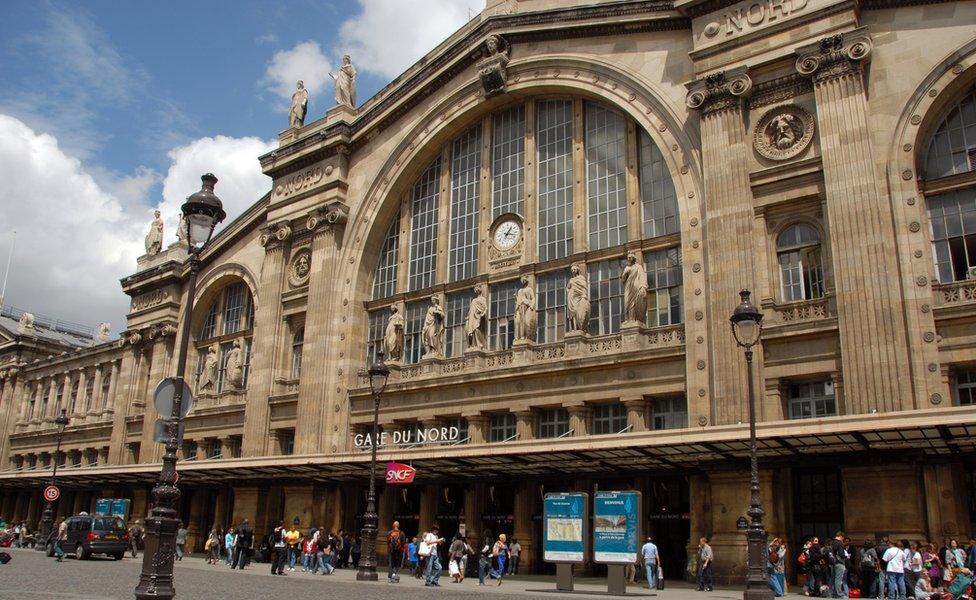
553	422
609	418
670	413
501	427
209	328
551	305
508	162
423	227
377	329
966	387
234	298
554	127
658	199
949	150
663	287
952	218
809	400
297	345
385	281
606	297
501	315
413	346
606	184
457	311
465	196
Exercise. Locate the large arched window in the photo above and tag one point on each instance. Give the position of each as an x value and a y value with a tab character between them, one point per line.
951	203
563	166
800	264
228	326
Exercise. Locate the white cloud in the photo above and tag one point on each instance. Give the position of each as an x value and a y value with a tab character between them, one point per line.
79	230
304	61
234	161
390	35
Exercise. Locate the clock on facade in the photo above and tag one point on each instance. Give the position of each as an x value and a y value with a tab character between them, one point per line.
507	233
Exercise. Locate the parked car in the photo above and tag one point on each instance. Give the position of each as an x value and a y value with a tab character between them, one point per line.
95	534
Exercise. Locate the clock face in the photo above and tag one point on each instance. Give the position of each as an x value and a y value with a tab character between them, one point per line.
508	233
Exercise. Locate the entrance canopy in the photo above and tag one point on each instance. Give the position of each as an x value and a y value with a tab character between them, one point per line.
932	433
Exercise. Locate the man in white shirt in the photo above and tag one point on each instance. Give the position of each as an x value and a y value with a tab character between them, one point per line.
432	572
650	555
895	557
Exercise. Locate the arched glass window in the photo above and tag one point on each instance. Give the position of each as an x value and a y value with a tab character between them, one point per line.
952	218
297	342
59	399
229	319
385	281
800	266
953	146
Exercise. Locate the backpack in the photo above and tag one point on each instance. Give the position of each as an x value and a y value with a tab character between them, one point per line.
396	541
868	559
774	556
803	558
831	557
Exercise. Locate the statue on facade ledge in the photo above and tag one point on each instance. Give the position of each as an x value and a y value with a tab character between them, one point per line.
104	332
634	282
474	325
433	331
208	375
345	83
492	68
154	239
299	106
578	299
393	340
526	317
235	366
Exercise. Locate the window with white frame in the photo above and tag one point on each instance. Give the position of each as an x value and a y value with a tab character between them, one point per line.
413	345
554	141
952	218
501	315
455	313
965	387
465	198
551	306
297	345
423	227
606	296
659	203
229	319
508	162
609	418
800	263
664	289
952	149
606	171
553	422
810	400
385	280
669	413
501	427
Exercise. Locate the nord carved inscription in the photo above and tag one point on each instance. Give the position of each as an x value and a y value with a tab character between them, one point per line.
748	16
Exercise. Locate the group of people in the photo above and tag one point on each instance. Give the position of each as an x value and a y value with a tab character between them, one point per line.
892	568
19	536
313	550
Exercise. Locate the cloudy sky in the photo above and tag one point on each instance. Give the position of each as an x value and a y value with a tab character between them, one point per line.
109	110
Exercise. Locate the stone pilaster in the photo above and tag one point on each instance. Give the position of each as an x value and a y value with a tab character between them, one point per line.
474	506
124	389
636	413
13	389
227	448
268	328
160	367
527	501
870	310
579	419
98	375
729	253
113	386
80	401
525	421
478	428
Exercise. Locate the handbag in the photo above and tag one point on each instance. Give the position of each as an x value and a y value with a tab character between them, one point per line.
660	577
424	549
452	568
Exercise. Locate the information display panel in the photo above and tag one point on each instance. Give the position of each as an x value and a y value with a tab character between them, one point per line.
564	528
616	527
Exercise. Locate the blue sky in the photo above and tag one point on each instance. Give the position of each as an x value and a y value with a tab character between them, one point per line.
109	110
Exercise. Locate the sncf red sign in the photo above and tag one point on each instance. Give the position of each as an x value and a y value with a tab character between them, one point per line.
399	474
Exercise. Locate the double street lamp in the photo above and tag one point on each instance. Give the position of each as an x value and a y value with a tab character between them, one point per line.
747	328
201	213
378	374
47	516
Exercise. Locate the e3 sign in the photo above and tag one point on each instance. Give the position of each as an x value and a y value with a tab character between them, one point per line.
399	474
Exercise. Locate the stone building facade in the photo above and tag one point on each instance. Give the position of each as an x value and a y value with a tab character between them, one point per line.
821	153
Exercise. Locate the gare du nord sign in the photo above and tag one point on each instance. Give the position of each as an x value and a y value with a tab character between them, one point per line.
409	437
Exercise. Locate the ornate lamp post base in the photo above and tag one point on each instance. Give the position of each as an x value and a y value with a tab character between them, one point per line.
367	562
44	528
757	582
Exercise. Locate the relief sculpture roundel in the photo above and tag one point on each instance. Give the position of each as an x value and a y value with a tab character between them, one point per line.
301	266
783	132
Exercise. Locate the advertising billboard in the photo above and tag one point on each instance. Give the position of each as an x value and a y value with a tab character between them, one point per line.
564	528
616	527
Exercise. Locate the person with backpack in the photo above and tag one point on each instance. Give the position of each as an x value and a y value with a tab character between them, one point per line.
396	543
894	558
837	559
869	567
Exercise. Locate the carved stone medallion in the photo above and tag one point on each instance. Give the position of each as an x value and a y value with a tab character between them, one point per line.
783	132
300	267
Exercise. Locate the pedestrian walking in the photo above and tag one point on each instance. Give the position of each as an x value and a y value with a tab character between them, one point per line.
279	549
60	538
242	546
397	547
356	550
135	537
456	554
412	558
913	566
293	538
230	539
499	552
777	566
212	546
650	557
894	558
309	551
484	561
515	551
432	570
180	541
705	558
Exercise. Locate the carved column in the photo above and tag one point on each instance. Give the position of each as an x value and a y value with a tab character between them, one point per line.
96	391
525	424
579	419
52	400
636	413
79	407
268	327
112	387
870	311
478	428
125	375
729	253
227	447
13	388
159	368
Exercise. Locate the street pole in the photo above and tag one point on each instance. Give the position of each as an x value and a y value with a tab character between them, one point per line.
47	515
757	581
156	580
367	563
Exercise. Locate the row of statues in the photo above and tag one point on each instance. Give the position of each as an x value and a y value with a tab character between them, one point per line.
154	239
345	93
633	279
233	369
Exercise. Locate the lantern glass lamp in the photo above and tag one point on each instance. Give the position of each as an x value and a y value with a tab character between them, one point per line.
746	322
202	212
378	374
62	420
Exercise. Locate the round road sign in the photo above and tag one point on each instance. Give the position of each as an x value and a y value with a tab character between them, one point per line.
164	398
52	493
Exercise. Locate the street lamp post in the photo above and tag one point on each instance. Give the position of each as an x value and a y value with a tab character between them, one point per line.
747	327
202	212
378	374
47	516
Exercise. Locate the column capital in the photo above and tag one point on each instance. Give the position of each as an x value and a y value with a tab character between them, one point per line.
834	56
719	91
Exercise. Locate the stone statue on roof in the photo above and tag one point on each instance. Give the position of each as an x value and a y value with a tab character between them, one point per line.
154	239
299	106
345	83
